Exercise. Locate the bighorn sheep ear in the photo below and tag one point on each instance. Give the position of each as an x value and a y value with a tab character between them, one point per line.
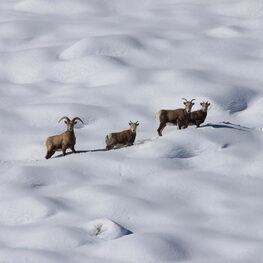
201	103
130	123
137	123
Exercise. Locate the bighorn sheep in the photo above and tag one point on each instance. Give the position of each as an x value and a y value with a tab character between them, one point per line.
62	141
123	138
177	117
198	117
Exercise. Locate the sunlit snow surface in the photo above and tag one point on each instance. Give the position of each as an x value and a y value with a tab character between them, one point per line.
193	195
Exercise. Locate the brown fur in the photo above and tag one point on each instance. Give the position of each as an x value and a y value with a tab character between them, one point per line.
123	138
179	117
199	116
62	141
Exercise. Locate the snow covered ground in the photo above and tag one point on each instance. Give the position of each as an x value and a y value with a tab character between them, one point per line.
193	195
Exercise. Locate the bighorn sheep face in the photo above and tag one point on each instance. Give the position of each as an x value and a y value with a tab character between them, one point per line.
205	106
70	123
177	117
198	117
63	141
133	125
123	138
188	105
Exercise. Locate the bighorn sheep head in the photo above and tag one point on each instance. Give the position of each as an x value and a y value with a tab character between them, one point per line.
188	104
70	123
204	105
133	125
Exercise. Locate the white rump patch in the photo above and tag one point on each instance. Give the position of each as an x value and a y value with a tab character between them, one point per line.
157	116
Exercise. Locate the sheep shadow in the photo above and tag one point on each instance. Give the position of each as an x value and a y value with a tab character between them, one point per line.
226	124
81	151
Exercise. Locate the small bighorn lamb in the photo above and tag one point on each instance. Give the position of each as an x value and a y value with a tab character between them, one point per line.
177	117
198	117
123	138
62	141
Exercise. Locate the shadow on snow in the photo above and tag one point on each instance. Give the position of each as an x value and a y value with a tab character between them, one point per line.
226	124
82	151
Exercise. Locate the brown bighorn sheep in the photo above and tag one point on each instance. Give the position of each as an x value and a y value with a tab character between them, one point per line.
64	140
198	117
177	117
123	138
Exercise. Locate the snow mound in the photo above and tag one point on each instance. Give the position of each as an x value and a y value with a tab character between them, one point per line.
49	113
175	145
12	32
53	238
23	211
28	177
44	178
12	255
249	113
26	67
85	69
243	8
106	229
80	7
143	248
237	99
223	32
105	45
53	6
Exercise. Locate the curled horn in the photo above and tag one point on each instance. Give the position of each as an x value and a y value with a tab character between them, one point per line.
136	122
77	118
65	117
192	100
184	99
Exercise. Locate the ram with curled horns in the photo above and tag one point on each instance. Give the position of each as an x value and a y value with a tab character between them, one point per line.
64	140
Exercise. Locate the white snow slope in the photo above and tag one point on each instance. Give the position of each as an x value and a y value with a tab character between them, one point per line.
193	195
